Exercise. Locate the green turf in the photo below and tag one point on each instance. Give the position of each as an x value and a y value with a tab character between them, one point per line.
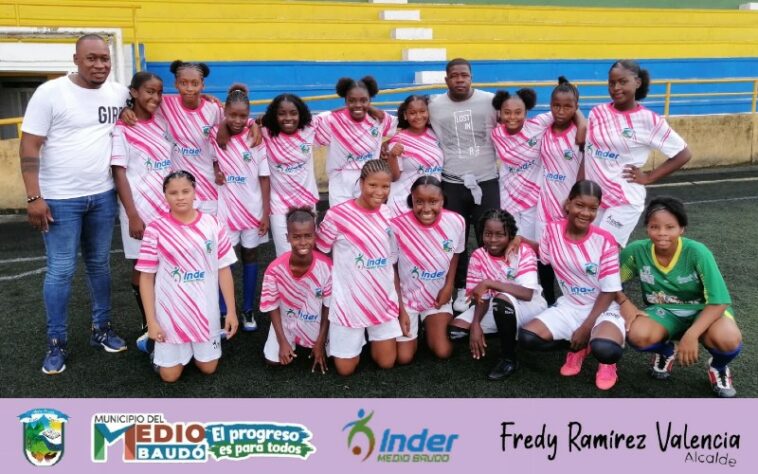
727	227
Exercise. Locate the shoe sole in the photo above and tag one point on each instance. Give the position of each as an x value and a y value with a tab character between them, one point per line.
53	372
604	387
249	328
106	348
658	375
572	373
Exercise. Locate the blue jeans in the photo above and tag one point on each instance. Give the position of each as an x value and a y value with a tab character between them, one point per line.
88	222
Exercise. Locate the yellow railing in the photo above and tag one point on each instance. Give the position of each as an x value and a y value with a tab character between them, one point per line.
667	96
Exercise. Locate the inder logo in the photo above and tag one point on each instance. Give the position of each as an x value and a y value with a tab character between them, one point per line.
395	446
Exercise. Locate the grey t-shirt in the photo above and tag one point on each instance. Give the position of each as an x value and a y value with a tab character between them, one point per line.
463	129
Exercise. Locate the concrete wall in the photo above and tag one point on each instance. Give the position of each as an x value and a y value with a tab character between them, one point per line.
716	140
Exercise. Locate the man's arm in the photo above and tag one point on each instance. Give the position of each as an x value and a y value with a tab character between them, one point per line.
38	213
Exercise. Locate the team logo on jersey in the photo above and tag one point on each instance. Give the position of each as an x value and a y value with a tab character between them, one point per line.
43	431
185	277
522	167
510	273
209	244
426	275
206	130
289	168
359	158
568	155
318	292
600	154
305	148
156	165
369	263
247	157
627	132
397	447
447	245
590	268
150	438
236	179
374	131
532	141
646	275
684	279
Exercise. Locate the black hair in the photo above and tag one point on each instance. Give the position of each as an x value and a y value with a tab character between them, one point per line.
300	215
367	83
269	118
374	166
178	175
635	68
670	204
137	80
505	218
565	86
586	187
87	37
402	122
426	180
237	93
179	65
527	96
457	62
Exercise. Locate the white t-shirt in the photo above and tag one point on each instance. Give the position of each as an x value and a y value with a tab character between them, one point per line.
75	160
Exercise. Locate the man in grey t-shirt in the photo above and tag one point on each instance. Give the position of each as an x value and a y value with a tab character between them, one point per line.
463	119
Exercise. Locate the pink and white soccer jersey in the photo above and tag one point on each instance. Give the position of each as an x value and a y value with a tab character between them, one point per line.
583	268
424	254
299	299
520	268
422	156
351	144
145	151
617	139
191	130
186	259
520	170
560	163
290	161
241	202
363	280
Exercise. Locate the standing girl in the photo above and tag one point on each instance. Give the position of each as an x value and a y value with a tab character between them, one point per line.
504	289
685	296
190	118
184	258
586	318
140	159
244	193
620	137
429	240
288	133
413	152
354	137
364	297
297	287
517	143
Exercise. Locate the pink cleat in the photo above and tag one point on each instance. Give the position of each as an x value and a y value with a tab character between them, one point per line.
606	376
573	364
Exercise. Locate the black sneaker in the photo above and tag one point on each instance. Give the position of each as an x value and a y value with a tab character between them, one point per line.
248	321
504	369
105	338
660	366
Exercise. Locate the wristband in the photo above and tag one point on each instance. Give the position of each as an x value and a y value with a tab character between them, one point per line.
31	199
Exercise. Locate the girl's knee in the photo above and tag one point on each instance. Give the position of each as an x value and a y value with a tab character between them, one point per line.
207	368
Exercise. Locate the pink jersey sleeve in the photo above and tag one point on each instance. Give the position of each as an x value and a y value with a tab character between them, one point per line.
664	139
226	255
147	261
389	125
609	276
263	169
269	290
544	248
119	152
526	275
323	131
475	273
327	233
327	294
460	242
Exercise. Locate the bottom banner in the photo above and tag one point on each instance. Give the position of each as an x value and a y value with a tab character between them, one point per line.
379	435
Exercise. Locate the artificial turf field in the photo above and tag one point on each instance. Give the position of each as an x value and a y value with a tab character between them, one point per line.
723	213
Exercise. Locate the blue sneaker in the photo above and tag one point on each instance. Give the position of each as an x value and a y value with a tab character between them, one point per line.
55	360
248	321
104	337
145	344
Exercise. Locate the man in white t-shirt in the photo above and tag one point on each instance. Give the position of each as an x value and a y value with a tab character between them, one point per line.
463	120
65	162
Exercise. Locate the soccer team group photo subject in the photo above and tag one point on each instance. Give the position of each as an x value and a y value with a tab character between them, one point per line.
199	185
